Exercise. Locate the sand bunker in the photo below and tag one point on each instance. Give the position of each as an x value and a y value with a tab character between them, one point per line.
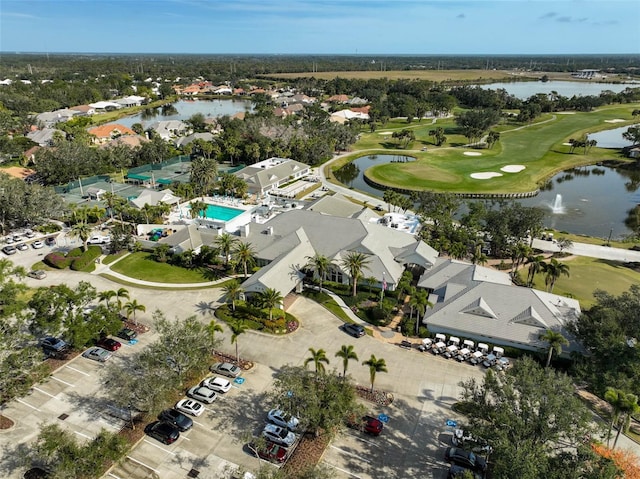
615	120
386	133
485	176
567	144
566	113
512	168
472	153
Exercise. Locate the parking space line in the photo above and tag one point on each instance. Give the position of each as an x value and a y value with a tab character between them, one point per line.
77	370
83	435
351	454
113	475
343	470
43	392
364	440
143	464
63	382
161	448
198	423
27	404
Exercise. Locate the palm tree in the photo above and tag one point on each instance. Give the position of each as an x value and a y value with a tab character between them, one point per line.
132	306
375	366
624	405
270	298
317	357
319	264
536	264
212	329
346	353
555	340
225	243
371	280
245	255
121	293
232	290
421	302
198	208
83	231
355	263
553	271
106	296
237	328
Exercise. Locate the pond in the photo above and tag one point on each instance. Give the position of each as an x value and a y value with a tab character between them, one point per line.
611	138
185	109
594	200
524	90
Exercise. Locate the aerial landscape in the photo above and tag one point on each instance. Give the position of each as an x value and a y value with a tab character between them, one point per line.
312	239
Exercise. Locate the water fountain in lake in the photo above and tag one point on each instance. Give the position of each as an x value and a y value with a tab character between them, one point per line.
557	208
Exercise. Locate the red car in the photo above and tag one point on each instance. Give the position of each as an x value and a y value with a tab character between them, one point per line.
271	452
109	344
368	424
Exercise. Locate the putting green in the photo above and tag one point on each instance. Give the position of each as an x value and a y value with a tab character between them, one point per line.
541	149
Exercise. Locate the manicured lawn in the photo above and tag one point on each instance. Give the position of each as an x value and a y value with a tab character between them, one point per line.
589	274
539	147
141	266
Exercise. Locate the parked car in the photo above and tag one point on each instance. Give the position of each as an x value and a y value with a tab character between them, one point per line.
22	247
50	240
29	234
37	274
279	435
219	385
355	330
9	250
283	419
163	431
271	452
466	459
53	346
226	369
368	424
191	407
37	244
203	394
8	240
127	334
99	239
108	344
178	419
97	354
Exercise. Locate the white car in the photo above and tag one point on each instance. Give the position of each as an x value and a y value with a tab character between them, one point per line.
279	435
191	407
97	354
99	239
22	247
218	384
203	394
37	244
283	419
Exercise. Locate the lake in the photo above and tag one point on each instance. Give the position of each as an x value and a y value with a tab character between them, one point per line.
185	109
524	90
611	138
595	198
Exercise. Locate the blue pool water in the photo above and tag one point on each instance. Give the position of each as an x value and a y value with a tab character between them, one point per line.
221	213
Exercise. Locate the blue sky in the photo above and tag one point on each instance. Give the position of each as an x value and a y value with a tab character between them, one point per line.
321	26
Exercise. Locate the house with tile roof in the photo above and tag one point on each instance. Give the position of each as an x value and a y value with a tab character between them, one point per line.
482	304
105	133
269	174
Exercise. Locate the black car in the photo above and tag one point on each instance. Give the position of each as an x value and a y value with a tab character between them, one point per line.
164	432
355	330
50	240
465	459
127	334
54	346
176	418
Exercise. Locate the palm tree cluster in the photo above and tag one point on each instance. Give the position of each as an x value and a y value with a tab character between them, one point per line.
623	405
319	359
551	270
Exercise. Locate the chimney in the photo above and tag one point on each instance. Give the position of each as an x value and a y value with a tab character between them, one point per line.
244	230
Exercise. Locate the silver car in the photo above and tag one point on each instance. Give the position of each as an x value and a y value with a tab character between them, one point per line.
97	354
226	369
279	435
202	393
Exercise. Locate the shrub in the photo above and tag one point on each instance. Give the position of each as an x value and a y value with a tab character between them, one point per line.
57	260
87	258
75	253
48	228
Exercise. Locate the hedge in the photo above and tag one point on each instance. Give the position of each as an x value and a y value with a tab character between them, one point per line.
76	258
87	258
57	260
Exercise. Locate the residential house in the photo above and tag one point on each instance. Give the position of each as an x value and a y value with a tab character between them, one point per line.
132	141
45	136
154	197
83	110
482	304
269	174
169	129
338	99
51	118
105	133
102	106
344	116
185	140
130	101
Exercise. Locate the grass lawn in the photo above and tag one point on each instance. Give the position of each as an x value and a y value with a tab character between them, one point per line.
141	266
539	147
589	274
592	240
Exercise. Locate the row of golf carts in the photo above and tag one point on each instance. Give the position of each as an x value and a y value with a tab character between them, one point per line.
466	350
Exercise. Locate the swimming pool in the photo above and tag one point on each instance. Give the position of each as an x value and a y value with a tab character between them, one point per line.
221	213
